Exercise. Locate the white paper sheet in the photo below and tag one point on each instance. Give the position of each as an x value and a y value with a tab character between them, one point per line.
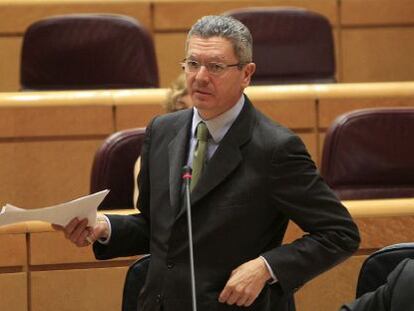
61	214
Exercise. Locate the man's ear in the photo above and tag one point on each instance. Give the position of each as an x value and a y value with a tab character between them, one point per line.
248	72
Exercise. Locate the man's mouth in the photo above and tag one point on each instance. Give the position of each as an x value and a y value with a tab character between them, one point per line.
202	92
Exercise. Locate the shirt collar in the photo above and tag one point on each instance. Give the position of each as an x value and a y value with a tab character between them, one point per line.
219	125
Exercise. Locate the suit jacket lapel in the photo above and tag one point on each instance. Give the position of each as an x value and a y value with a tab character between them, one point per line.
177	151
227	156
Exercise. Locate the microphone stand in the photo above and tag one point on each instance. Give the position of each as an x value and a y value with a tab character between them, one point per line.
187	178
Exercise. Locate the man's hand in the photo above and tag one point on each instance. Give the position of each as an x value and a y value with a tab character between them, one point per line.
245	283
80	234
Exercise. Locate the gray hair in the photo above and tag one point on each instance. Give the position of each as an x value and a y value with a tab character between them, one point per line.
225	27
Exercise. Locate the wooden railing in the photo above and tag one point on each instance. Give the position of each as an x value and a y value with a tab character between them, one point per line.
41	270
49	138
47	143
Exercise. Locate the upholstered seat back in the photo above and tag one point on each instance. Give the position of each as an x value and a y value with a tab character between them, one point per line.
369	154
290	45
87	51
113	168
378	266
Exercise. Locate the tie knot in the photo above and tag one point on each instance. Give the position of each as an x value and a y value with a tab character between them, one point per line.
202	131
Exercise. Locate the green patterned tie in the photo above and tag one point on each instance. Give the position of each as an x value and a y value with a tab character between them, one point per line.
199	153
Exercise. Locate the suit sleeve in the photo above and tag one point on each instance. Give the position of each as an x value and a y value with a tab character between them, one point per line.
298	191
130	234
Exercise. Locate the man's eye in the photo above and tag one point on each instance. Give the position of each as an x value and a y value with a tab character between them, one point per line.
216	67
192	64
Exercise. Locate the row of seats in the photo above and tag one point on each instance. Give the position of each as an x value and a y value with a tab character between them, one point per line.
367	154
99	51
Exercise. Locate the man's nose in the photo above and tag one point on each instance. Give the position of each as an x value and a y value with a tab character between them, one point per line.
202	74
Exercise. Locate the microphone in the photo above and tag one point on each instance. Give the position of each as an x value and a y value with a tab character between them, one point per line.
187	178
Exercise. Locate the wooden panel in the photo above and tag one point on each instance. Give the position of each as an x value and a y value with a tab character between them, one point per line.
287	112
42	173
54	248
12	250
293	232
295	114
180	15
136	116
17	15
78	289
338	54
52	121
331	289
378	54
54	98
51	247
380	232
357	12
13	289
10	63
135	108
272	93
331	108
169	48
380	208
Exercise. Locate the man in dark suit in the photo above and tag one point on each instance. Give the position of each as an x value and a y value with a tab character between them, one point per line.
254	175
394	295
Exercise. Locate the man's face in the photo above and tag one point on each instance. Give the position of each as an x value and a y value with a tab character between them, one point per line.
214	94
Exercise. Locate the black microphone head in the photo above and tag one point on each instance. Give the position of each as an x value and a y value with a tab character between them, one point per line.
186	172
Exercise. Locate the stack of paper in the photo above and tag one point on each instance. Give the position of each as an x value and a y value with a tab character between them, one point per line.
61	214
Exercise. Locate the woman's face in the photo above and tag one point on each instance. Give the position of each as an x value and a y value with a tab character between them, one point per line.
183	102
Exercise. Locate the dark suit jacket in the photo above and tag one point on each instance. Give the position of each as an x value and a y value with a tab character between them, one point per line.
395	295
259	177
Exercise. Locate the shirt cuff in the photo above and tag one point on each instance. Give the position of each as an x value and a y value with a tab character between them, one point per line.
106	219
273	280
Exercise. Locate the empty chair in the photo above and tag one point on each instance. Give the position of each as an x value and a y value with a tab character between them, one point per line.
378	266
87	51
113	168
368	154
291	45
